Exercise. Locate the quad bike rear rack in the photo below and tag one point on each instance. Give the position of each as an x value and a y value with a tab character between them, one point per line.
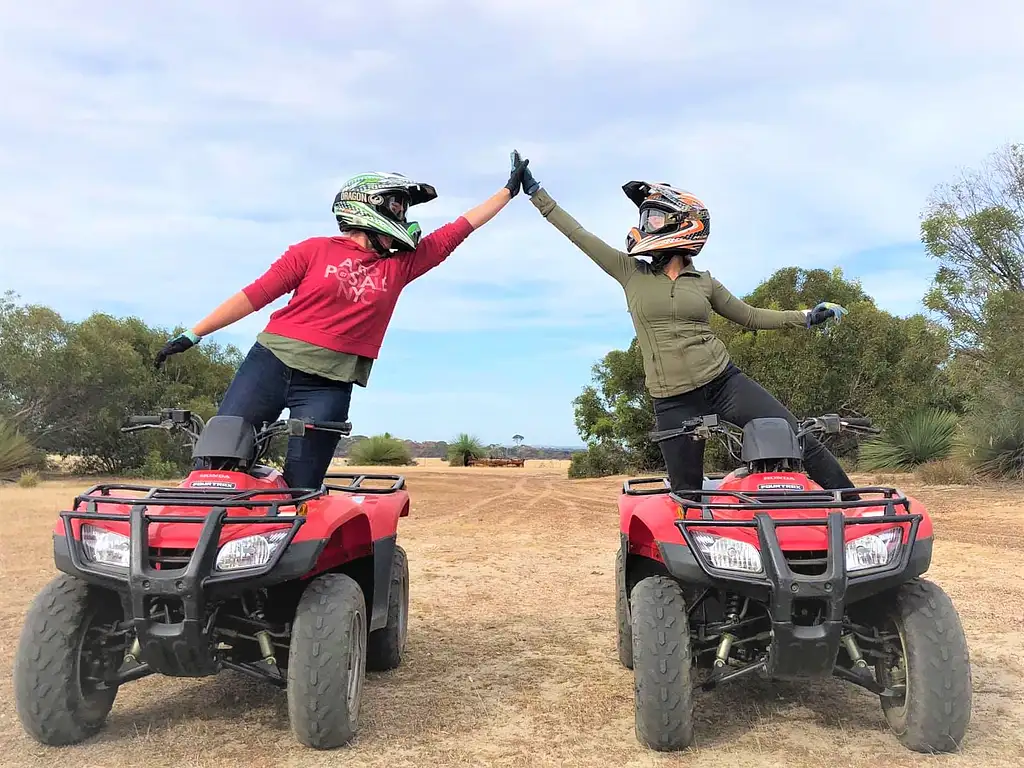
358	480
632	487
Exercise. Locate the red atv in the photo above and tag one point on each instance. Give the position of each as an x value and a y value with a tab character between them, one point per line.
232	569
764	572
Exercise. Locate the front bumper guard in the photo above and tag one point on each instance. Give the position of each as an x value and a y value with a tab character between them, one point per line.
798	651
183	648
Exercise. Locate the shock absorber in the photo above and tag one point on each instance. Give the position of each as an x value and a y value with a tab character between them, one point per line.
732	615
266	647
732	607
850	643
134	651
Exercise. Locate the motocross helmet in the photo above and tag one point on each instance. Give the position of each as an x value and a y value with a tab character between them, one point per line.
671	221
377	203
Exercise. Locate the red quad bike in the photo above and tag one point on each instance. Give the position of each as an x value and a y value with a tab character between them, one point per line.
763	572
303	587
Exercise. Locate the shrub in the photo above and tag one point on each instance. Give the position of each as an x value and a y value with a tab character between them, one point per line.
156	467
601	459
945	472
380	450
995	445
16	452
28	479
463	447
924	436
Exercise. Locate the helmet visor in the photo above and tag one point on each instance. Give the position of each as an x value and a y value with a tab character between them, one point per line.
395	205
656	220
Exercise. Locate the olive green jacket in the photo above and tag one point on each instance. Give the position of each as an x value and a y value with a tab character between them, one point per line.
681	353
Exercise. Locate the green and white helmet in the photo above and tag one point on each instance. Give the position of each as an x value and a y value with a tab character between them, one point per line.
377	203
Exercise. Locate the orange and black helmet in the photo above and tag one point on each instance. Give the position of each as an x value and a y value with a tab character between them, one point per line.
671	219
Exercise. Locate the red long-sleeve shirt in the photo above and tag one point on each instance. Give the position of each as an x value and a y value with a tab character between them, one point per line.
344	295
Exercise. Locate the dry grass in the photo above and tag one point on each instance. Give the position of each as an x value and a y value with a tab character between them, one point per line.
511	658
945	472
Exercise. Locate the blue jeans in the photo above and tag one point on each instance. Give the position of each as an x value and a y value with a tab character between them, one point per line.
264	386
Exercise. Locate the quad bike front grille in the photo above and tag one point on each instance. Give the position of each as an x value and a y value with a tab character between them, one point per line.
810	562
166	558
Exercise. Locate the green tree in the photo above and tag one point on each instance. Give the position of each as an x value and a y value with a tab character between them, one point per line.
617	413
974	229
71	386
873	363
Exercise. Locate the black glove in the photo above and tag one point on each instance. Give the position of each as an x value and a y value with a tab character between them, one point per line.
179	343
515	179
530	185
826	310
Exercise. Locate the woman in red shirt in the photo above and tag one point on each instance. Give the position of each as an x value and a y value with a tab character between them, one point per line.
344	291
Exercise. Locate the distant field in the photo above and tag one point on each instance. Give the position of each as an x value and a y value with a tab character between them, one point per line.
442	465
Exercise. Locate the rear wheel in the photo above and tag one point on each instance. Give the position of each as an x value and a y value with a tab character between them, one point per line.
624	640
386	645
63	659
930	661
327	662
661	664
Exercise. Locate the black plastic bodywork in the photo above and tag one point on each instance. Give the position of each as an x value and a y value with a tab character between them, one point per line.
226	437
183	646
768	439
796	650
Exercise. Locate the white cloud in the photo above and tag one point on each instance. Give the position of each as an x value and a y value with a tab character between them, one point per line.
163	156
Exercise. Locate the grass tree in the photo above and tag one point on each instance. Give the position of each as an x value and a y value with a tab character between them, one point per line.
17	453
380	450
463	448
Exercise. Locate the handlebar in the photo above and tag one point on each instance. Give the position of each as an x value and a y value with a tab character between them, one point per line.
144	421
702	427
857	423
345	427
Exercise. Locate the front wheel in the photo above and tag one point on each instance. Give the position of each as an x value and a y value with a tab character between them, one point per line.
661	664
62	660
327	662
931	662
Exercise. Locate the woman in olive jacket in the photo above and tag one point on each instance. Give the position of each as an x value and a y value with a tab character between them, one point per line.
687	368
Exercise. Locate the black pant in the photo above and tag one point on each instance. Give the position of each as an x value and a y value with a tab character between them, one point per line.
738	399
264	386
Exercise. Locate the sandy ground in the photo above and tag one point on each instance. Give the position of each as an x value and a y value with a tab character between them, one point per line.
511	658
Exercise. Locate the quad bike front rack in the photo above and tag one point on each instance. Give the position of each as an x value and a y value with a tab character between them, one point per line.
189	579
788	579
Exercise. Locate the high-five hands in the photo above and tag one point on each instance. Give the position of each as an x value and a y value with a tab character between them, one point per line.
515	179
530	185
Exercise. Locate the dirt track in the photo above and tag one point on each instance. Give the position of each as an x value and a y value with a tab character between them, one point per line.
511	657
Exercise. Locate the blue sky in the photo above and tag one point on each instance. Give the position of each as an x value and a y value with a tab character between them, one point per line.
154	158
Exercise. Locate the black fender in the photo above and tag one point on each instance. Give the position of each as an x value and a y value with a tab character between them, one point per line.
620	572
383	558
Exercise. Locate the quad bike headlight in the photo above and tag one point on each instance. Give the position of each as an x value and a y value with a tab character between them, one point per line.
874	550
250	551
105	547
729	554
